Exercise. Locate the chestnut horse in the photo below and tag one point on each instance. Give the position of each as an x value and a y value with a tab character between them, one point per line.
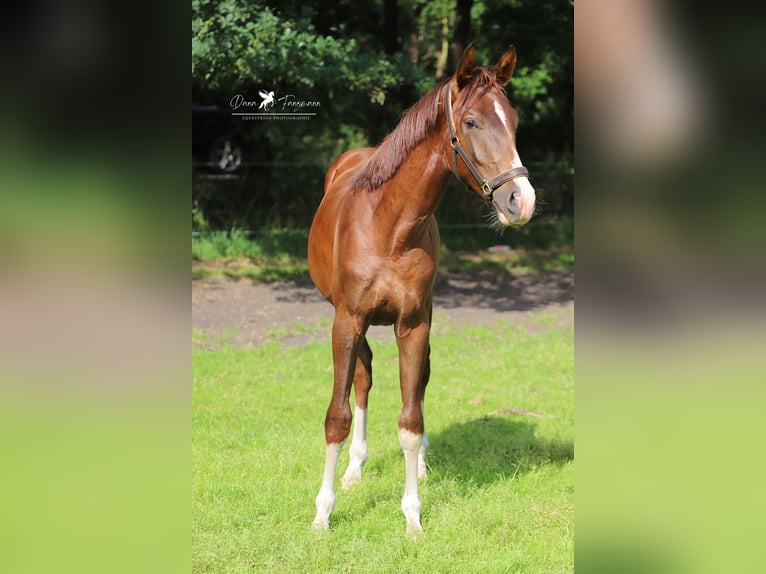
373	250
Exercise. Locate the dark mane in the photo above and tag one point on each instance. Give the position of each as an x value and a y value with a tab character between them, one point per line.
416	123
413	127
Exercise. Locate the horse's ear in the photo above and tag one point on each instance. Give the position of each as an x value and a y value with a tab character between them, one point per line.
467	67
503	70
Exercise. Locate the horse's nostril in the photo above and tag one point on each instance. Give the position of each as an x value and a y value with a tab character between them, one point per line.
513	202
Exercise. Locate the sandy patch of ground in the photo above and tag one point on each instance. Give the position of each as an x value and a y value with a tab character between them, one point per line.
250	312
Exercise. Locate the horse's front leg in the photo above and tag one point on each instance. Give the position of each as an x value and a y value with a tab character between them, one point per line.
347	332
412	340
357	452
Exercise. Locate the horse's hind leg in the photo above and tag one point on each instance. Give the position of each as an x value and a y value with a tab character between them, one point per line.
422	470
362	384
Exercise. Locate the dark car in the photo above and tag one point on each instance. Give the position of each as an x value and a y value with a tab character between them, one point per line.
218	138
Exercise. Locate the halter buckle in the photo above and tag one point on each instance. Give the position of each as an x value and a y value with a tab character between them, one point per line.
486	189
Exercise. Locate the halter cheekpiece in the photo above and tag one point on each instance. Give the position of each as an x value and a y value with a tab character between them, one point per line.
487	187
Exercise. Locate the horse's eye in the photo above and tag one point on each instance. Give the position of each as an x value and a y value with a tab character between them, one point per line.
471	124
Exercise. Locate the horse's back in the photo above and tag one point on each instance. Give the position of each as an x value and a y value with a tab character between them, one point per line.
322	233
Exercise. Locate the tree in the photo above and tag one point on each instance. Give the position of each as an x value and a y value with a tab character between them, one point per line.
462	34
367	62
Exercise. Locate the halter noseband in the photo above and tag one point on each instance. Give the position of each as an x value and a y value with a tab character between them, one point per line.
488	187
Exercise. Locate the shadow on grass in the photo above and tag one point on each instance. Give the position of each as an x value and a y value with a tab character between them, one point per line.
472	454
467	289
488	449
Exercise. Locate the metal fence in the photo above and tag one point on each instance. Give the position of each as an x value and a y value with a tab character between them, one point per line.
286	194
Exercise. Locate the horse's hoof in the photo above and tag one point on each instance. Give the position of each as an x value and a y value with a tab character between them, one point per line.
414	531
350	480
320	526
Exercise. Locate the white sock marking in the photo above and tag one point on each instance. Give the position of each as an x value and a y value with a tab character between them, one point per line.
422	469
358	450
325	500
411	443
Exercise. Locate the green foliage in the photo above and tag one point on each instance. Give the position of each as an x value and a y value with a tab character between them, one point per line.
277	243
333	51
199	223
499	496
237	44
277	254
280	254
221	244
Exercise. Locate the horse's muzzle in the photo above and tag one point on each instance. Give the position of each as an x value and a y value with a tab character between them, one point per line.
518	205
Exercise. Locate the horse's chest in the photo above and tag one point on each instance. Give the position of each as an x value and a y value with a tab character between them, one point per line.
401	286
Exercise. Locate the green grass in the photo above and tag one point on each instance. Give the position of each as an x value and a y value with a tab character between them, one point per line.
499	496
280	254
276	254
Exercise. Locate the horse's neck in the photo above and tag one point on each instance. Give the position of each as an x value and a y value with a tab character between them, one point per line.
412	195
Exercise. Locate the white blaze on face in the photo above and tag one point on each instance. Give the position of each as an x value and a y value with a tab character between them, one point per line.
527	200
501	114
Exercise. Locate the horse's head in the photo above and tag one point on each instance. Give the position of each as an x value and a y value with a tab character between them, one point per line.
482	126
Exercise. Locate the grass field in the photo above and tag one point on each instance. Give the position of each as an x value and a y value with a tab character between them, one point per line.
499	496
281	254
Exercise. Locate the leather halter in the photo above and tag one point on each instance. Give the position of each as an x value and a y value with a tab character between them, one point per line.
488	187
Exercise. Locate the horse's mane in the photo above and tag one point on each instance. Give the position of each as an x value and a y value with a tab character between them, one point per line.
416	123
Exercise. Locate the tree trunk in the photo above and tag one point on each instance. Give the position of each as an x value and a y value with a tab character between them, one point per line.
441	59
390	26
462	35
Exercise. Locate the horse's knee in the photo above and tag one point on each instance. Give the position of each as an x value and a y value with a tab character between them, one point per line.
337	424
411	419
